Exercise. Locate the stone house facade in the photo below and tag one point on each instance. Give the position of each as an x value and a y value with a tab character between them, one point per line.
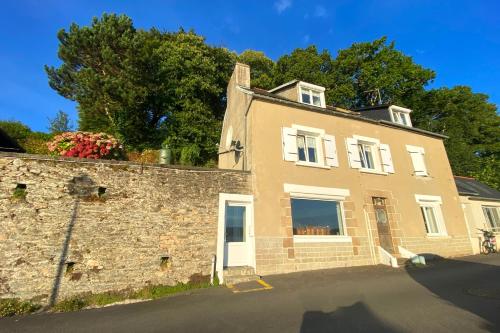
332	187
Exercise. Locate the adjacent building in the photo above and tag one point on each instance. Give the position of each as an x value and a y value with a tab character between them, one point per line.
481	205
331	187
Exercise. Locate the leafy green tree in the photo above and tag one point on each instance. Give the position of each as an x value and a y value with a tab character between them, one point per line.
144	86
364	67
307	65
472	124
60	123
261	68
15	129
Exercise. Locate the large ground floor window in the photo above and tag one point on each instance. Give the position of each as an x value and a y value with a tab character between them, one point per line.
316	217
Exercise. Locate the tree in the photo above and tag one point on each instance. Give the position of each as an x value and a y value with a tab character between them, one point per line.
144	86
60	123
472	124
376	65
261	68
305	64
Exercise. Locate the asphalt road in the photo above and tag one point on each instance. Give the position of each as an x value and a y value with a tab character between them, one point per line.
461	295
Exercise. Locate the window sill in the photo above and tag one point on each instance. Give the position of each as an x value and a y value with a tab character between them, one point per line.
313	165
321	239
375	172
437	236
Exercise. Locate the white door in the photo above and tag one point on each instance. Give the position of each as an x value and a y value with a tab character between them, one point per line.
237	234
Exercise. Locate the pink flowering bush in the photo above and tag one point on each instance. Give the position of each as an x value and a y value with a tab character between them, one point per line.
85	145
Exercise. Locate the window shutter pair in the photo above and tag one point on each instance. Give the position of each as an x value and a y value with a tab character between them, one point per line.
355	160
417	159
289	138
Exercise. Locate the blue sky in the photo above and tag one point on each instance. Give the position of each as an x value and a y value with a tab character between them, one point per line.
460	40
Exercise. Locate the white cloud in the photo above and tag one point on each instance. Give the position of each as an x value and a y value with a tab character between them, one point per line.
306	39
282	5
320	11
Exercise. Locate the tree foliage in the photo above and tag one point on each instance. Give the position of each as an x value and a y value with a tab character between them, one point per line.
60	123
144	86
261	68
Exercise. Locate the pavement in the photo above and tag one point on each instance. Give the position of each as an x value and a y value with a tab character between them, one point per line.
459	295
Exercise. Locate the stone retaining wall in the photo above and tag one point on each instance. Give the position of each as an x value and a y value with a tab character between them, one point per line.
92	226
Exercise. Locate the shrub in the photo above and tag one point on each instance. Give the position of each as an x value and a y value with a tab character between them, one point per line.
146	156
12	306
85	145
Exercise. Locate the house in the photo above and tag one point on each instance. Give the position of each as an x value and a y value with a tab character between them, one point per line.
331	187
481	205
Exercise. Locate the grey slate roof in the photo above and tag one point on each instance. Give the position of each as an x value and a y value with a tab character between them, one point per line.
475	190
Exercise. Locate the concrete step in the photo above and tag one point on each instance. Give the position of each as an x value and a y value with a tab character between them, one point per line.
233	275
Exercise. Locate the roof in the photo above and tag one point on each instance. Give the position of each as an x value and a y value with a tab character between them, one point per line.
284	85
9	144
475	190
373	107
336	111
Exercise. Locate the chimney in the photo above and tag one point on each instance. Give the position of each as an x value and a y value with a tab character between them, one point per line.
241	75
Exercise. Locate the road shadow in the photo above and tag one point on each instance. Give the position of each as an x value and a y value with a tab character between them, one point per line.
475	289
354	318
79	187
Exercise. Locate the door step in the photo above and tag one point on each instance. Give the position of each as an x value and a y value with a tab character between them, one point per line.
239	274
403	262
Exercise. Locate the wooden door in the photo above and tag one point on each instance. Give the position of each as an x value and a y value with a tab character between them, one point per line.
383	226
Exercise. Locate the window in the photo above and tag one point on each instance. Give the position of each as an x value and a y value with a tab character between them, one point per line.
316	217
366	156
429	215
417	158
312	94
369	155
306	148
430	207
492	216
235	223
309	146
400	115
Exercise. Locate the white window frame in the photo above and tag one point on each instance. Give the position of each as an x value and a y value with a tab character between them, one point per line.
419	152
488	224
399	113
318	135
375	149
435	203
325	194
309	89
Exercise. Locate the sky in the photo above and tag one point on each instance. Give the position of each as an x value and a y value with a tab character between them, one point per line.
458	39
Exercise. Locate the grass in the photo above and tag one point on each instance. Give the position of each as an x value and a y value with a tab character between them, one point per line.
13	306
19	193
79	302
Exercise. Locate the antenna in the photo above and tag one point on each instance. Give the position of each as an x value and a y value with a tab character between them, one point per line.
373	96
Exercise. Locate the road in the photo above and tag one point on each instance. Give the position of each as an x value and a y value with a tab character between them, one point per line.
460	295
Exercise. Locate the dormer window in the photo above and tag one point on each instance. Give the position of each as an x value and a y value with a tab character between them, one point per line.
400	115
311	94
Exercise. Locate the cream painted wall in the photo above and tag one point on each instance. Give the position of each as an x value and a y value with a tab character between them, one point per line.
270	171
473	211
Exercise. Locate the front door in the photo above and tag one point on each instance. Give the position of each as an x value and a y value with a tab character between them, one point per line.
383	227
237	233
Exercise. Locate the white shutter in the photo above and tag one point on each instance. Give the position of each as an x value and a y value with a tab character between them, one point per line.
330	151
385	154
289	138
417	159
353	153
